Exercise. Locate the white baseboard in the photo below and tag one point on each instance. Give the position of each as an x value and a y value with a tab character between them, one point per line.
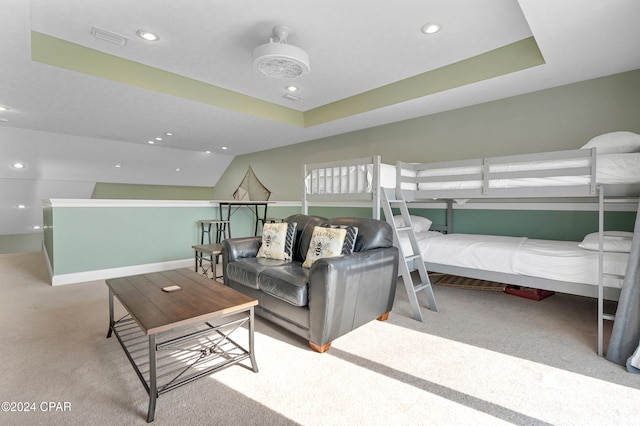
103	274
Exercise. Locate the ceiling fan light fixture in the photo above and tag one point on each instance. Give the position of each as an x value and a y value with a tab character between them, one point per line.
277	59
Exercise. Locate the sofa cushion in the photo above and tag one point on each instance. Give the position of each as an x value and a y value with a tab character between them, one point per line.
372	233
277	240
247	270
289	283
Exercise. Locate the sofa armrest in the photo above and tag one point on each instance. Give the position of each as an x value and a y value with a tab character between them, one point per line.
348	291
238	248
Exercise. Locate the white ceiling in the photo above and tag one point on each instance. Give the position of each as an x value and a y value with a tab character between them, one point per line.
71	128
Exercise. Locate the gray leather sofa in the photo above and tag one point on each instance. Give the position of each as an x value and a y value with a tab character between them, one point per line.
334	296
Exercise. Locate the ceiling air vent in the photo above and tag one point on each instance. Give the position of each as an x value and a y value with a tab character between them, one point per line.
291	97
109	36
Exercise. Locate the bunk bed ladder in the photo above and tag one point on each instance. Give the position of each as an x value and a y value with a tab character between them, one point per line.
390	200
602	315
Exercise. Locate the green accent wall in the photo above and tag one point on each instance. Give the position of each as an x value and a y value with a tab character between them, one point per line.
88	238
330	212
540	224
545	225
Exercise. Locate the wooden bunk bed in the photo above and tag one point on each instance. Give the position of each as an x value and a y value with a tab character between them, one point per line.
560	175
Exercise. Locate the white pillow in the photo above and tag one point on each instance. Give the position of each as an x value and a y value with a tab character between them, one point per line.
611	143
419	223
617	241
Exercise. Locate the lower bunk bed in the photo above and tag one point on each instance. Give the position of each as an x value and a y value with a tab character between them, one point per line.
562	266
590	268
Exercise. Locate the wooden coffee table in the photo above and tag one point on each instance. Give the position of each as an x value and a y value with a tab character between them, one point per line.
186	331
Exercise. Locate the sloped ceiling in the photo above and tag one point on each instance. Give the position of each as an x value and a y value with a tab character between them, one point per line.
79	105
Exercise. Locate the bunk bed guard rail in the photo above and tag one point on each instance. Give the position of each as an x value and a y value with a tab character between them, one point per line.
570	173
347	180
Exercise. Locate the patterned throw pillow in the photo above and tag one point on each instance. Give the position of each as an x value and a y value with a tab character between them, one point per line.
325	242
277	240
349	239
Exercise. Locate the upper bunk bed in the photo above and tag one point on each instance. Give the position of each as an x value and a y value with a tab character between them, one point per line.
570	173
608	164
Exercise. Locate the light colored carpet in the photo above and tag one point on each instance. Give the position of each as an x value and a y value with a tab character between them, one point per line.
485	358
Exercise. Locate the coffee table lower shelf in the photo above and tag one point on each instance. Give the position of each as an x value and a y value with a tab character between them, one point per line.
168	360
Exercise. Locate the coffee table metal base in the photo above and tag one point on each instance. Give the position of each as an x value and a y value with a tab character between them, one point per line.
168	360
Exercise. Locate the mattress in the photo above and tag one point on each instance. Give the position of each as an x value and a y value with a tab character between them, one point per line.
554	260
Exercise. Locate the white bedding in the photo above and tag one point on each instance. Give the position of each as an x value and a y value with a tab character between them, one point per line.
556	260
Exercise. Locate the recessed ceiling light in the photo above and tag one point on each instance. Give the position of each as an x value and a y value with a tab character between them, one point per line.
224	147
158	139
151	142
21	206
169	134
177	169
4	108
18	165
147	35
117	166
291	88
36	227
207	152
431	28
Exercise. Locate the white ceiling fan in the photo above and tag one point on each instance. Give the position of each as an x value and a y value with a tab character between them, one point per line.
277	59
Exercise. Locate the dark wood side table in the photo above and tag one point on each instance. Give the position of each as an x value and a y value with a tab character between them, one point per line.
195	320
